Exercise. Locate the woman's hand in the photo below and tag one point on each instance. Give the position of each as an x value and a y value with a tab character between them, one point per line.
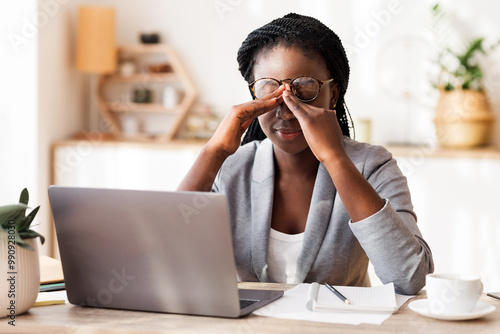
319	126
226	141
324	136
227	137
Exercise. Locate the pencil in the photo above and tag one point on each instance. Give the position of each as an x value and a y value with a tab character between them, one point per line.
337	293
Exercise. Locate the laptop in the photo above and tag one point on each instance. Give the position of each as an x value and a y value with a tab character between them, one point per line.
152	251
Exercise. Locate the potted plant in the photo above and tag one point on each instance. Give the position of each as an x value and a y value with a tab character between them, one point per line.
19	259
463	116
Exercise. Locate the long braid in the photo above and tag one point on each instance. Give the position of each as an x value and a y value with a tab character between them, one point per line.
310	35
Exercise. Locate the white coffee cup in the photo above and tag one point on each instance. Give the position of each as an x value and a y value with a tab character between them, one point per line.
452	293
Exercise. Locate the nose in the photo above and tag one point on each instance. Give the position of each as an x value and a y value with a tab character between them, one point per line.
284	113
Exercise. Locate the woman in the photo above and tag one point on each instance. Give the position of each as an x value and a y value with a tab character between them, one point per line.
307	203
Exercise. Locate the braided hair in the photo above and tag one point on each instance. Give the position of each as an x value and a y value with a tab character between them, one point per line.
311	36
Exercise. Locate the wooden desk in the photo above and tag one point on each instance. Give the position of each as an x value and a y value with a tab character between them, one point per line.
69	319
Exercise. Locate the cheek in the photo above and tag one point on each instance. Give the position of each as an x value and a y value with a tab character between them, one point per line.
266	120
323	101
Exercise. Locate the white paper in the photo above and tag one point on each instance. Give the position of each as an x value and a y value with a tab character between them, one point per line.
293	306
52	295
380	299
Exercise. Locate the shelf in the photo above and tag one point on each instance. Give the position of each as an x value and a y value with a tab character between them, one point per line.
145	77
149	124
416	151
156	108
105	140
144	48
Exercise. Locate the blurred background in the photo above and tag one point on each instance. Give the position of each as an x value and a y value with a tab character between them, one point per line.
66	124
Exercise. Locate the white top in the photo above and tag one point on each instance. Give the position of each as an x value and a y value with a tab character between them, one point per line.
282	255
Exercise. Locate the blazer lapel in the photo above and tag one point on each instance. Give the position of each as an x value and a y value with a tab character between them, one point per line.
262	203
318	219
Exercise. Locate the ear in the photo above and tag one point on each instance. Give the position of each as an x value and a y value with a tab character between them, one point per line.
335	92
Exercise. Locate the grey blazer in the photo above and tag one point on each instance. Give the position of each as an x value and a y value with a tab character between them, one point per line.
335	250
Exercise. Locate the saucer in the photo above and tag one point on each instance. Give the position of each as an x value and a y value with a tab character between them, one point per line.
421	307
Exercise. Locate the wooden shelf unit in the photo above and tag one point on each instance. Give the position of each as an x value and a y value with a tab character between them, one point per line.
112	110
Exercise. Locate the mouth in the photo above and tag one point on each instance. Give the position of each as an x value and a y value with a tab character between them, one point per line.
288	134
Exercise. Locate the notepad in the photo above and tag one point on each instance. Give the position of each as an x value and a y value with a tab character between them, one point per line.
379	299
51	298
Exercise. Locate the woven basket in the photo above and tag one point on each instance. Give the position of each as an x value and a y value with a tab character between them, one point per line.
463	119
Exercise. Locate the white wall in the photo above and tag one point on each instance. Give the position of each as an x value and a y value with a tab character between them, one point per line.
18	102
60	88
456	201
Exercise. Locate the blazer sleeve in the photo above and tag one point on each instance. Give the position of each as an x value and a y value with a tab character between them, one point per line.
390	237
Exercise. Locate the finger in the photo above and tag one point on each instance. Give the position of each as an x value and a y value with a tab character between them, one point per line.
250	110
259	103
297	107
259	109
275	96
246	123
276	93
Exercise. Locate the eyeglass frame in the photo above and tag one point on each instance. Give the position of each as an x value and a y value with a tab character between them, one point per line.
251	85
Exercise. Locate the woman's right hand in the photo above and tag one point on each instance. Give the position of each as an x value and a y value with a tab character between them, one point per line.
227	138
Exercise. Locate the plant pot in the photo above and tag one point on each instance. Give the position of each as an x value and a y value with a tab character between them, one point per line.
26	274
464	133
463	119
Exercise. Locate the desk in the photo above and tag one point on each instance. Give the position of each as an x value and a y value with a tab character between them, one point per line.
69	319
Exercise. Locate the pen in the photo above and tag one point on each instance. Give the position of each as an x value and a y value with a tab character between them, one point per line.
337	293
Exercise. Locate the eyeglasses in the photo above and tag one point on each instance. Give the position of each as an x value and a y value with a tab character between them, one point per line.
304	88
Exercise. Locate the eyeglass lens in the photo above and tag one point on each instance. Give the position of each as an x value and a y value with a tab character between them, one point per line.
305	88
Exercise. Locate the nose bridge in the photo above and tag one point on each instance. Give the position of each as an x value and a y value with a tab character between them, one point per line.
283	112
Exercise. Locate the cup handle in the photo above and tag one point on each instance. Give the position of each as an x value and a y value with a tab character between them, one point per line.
480	289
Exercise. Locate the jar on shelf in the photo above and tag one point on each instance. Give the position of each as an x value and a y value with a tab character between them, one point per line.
130	125
202	123
170	97
127	67
142	95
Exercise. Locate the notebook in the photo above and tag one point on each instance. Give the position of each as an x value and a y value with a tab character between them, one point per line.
379	299
150	251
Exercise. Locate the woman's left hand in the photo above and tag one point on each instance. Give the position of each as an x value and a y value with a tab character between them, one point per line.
319	126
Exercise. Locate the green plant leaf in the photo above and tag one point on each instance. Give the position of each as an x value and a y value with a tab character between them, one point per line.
25	197
25	223
32	234
24	245
17	236
11	212
474	46
448	87
469	74
22	223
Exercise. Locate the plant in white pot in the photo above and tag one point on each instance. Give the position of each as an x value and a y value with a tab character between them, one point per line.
463	115
19	259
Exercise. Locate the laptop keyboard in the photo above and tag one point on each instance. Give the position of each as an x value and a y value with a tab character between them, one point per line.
247	302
